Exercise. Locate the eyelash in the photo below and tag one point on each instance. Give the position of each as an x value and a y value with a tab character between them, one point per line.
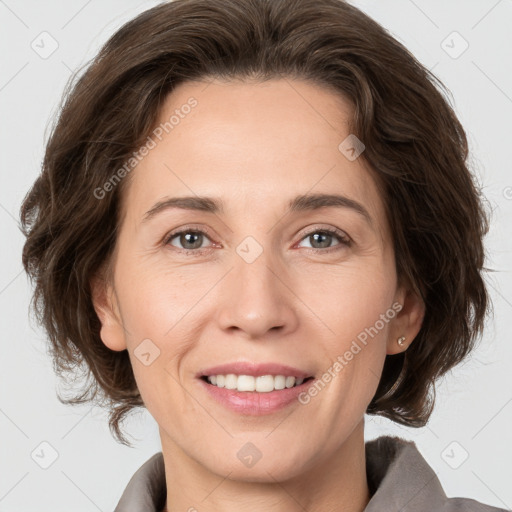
342	237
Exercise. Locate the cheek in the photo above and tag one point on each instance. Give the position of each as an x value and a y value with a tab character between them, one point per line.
351	297
156	309
156	298
358	315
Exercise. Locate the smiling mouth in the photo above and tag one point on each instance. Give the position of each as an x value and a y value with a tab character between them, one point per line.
259	384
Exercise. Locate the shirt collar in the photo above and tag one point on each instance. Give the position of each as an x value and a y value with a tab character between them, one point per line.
401	477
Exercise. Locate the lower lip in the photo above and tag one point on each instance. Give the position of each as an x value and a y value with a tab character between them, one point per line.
254	403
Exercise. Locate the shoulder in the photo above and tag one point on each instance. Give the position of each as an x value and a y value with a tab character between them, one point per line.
399	478
468	505
146	490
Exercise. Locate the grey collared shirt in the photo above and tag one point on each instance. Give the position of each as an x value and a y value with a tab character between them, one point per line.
399	480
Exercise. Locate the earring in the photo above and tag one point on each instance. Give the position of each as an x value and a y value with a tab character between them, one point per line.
401	341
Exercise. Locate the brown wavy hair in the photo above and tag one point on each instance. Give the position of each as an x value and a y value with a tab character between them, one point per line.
415	146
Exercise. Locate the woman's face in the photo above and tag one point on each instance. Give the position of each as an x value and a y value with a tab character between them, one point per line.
260	283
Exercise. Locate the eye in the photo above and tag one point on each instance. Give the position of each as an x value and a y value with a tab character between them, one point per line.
323	238
189	239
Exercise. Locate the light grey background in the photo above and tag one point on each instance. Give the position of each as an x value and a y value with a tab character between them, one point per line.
473	416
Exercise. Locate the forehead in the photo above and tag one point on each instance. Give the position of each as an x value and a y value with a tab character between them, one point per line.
254	144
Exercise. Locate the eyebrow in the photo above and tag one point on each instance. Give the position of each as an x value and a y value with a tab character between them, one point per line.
305	202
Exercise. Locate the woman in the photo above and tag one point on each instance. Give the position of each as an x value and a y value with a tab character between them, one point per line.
203	147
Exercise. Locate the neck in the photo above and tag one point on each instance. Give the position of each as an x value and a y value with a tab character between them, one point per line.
338	483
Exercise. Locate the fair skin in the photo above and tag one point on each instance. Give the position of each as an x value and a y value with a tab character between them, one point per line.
300	303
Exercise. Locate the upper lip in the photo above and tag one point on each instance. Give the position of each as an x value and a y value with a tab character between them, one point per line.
254	369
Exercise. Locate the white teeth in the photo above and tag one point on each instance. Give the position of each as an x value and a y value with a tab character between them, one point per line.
279	382
231	381
262	384
246	383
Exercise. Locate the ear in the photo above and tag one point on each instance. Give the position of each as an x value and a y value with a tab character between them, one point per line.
105	304
408	320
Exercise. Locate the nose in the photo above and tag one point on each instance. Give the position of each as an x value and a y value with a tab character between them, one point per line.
257	300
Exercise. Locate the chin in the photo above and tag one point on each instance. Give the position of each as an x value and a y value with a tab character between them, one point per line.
250	464
259	473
